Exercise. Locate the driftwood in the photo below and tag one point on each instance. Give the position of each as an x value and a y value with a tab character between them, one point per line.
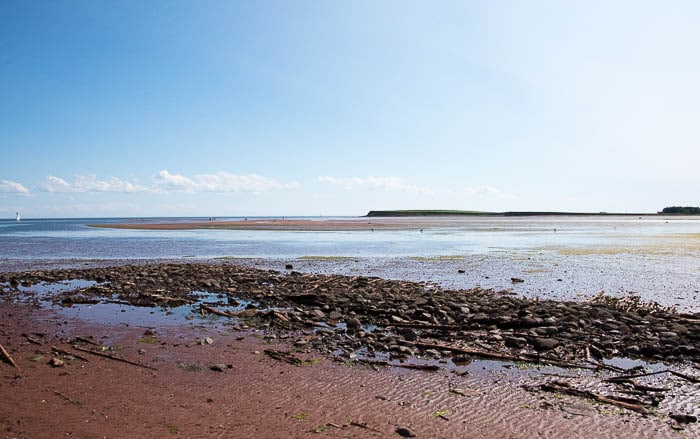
64	352
31	339
690	378
428	367
6	355
505	357
212	310
88	341
428	326
112	357
560	387
363	425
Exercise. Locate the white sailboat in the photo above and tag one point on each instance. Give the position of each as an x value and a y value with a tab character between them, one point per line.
17	218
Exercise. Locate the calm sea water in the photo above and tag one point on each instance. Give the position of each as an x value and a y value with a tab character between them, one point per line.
73	238
560	257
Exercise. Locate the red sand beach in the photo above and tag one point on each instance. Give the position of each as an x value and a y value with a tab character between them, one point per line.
294	224
60	391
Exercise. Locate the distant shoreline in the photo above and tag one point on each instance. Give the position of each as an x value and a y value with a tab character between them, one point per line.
374	220
409	213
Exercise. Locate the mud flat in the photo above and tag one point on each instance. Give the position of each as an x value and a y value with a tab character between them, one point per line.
350	224
224	349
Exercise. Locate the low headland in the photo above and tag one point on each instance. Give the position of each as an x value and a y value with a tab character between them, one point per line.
374	219
675	210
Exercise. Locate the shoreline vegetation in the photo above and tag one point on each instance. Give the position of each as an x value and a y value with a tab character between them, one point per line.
676	210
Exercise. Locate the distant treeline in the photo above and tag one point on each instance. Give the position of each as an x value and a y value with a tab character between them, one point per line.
684	210
395	213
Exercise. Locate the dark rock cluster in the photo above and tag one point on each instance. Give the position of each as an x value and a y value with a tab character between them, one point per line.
334	313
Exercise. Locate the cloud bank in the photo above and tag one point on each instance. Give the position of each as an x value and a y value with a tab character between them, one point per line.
12	187
164	182
90	183
219	182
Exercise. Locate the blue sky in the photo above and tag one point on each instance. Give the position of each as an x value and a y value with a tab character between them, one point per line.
227	108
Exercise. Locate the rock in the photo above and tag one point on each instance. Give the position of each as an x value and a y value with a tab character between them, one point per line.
515	342
683	419
460	271
461	360
206	340
544	344
289	267
404	350
405	432
56	362
397	319
516	280
546	331
530	322
353	325
680	329
409	334
219	367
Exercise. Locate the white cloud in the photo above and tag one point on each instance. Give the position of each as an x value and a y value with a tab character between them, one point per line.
12	187
374	183
165	182
219	182
90	183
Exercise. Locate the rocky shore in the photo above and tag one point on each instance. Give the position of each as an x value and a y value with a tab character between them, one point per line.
401	319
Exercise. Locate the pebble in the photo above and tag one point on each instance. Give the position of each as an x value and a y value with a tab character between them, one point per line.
405	432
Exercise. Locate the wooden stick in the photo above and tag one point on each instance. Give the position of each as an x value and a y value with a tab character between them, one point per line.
31	339
8	357
692	379
556	387
428	326
212	310
61	351
506	357
112	357
429	367
88	341
363	425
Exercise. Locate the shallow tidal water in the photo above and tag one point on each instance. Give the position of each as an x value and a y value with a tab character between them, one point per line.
564	258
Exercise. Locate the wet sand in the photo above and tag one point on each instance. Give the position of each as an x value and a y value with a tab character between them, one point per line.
351	224
259	396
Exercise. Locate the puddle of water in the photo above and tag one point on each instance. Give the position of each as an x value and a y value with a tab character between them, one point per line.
224	302
500	369
630	363
113	313
130	315
45	290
